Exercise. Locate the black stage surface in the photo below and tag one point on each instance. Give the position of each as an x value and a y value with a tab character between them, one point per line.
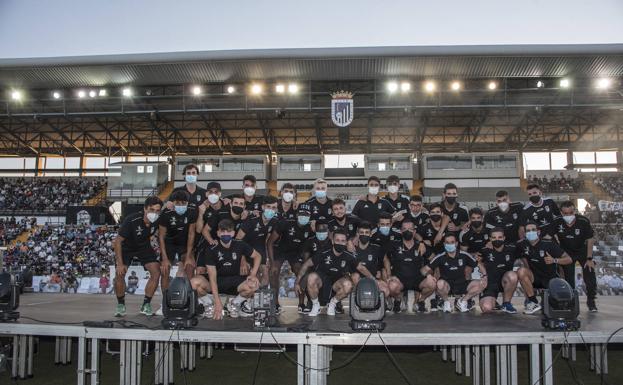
75	308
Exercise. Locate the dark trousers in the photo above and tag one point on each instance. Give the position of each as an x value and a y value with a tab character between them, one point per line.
590	279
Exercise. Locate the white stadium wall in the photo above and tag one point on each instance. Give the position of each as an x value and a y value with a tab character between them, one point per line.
105	31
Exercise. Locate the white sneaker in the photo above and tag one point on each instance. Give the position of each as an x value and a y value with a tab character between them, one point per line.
206	300
447	308
246	310
233	309
462	306
208	311
331	308
532	307
315	310
159	312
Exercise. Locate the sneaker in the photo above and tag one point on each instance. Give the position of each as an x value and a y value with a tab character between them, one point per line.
233	309
146	309
462	306
331	308
396	307
434	304
305	309
315	310
278	309
498	306
532	307
471	304
208	311
206	300
508	307
339	309
447	307
421	307
159	312
120	310
592	307
246	309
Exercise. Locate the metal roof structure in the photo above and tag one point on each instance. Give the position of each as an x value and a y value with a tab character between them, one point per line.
163	117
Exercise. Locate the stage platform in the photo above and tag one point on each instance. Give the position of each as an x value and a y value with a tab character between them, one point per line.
469	339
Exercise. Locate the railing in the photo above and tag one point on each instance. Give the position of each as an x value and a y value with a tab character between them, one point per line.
133	192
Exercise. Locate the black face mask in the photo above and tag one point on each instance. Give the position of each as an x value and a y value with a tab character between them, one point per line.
364	239
339	248
435	217
535	199
476	224
407	235
451	200
497	243
237	210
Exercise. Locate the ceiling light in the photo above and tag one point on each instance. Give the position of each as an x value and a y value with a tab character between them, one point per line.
455	86
16	95
293	88
392	87
603	83
196	90
82	94
540	84
56	95
405	86
103	92
429	86
231	89
256	89
564	83
492	85
280	88
92	94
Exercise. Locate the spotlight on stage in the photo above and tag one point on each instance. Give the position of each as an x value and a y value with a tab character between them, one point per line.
180	305
367	306
9	297
561	306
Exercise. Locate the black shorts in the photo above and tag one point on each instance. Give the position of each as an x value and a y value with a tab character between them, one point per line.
228	284
493	288
326	291
142	259
175	253
458	287
541	281
411	283
292	258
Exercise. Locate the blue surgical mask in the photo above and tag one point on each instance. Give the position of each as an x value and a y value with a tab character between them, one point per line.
269	213
532	235
180	210
191	178
322	236
449	247
320	194
302	220
226	238
384	230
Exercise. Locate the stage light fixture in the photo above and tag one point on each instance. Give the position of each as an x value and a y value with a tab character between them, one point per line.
127	92
492	85
540	84
392	87
293	88
561	306
429	86
455	86
367	306
16	95
231	89
180	305
256	89
405	87
92	94
82	94
603	83
56	95
565	83
196	90
102	92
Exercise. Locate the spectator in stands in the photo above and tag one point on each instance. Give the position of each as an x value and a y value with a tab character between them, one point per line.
104	282
132	283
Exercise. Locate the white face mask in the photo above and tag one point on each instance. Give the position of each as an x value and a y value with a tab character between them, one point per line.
249	191
503	206
213	198
392	189
152	217
568	218
373	190
287	197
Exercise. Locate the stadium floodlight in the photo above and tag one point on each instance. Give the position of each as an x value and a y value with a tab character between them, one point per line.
82	94
564	83
127	92
392	87
16	95
56	95
429	86
280	88
103	92
492	85
405	87
540	84
603	83
231	89
92	94
256	89
293	88
455	86
196	90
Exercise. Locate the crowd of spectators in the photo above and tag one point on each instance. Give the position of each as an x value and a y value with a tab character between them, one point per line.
46	194
10	228
64	253
558	183
613	185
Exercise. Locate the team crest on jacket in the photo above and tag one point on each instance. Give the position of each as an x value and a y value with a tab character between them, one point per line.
342	108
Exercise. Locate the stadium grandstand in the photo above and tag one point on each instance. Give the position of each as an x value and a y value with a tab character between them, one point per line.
298	152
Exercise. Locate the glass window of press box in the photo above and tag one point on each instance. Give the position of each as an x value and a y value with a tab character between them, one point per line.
305	165
389	164
449	162
243	165
495	162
